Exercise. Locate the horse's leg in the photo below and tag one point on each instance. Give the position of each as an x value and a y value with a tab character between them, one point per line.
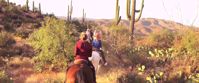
99	65
102	56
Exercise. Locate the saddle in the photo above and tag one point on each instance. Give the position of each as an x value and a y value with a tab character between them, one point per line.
80	61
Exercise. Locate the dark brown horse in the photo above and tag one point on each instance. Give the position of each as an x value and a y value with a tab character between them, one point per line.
79	73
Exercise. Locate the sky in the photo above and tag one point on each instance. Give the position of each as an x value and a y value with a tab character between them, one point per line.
182	11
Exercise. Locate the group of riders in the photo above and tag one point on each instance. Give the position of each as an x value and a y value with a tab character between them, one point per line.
89	41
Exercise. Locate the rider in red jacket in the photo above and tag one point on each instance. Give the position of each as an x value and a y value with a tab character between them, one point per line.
83	50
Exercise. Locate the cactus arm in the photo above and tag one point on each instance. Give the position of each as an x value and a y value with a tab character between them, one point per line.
27	7
68	13
71	9
84	16
117	12
39	8
33	6
128	2
118	21
140	12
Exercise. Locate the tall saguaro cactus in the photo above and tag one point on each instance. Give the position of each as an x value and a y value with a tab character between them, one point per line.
70	11
27	6
33	6
39	8
131	11
83	17
117	12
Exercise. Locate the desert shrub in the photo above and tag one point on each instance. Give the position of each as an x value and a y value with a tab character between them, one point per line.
163	39
4	78
52	43
187	42
118	39
11	9
23	8
23	33
194	78
5	39
79	27
110	76
130	78
54	80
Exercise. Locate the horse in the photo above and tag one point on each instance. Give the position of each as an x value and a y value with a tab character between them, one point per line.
79	73
96	60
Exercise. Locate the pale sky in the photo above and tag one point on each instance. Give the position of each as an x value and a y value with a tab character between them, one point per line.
183	11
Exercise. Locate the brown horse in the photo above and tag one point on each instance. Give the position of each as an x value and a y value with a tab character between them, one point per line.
79	73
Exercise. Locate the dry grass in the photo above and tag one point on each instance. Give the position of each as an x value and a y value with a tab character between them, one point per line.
110	76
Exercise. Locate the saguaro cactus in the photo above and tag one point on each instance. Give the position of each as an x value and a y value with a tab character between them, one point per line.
39	8
33	6
131	14
70	11
117	12
27	7
84	16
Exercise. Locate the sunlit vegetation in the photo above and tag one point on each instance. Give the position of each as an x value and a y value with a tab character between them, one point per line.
52	43
164	56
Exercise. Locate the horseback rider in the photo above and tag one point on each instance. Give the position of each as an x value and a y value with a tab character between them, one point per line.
89	35
97	45
83	50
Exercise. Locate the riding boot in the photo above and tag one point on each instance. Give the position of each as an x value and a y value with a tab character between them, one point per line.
93	69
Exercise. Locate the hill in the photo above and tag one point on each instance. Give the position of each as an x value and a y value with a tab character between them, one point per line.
145	26
14	18
16	23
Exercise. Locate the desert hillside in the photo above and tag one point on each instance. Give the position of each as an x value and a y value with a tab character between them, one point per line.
145	26
16	23
38	48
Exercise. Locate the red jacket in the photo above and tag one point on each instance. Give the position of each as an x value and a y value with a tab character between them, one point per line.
83	50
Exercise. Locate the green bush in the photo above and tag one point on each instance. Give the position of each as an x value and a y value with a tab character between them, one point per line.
22	34
52	43
163	39
188	42
119	39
